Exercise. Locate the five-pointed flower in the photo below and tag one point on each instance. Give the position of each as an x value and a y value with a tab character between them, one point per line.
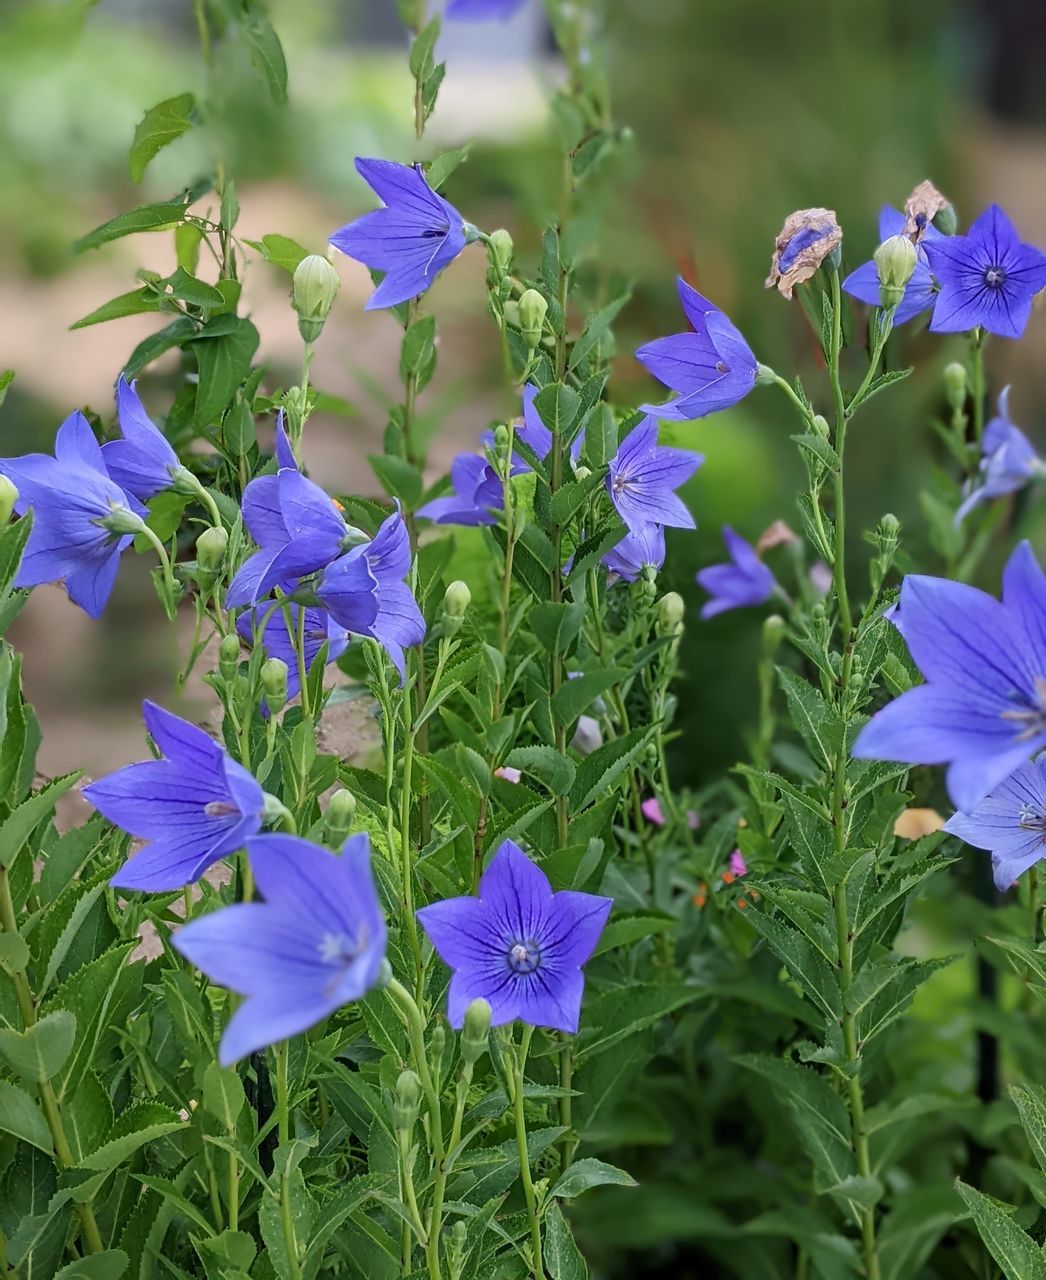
194	806
411	239
637	551
483	10
477	496
297	527
711	368
1008	461
518	945
315	943
982	710
365	592
920	293
642	476
280	639
987	277
82	519
1011	823
142	461
743	582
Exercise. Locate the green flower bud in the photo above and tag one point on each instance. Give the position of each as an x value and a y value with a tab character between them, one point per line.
888	534
438	1046
582	473
895	260
501	440
820	426
955	385
274	683
341	812
475	1031
456	600
774	628
315	288
532	312
122	520
511	313
229	656
499	251
764	376
8	498
211	546
408	1101
670	612
945	220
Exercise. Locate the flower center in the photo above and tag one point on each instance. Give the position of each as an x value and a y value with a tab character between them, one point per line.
995	277
524	957
1032	820
337	949
1030	718
220	809
721	366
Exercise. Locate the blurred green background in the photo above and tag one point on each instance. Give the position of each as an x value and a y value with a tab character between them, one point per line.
741	112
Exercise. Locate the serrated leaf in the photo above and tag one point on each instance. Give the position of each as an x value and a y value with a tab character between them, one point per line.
21	1116
562	1257
601	769
614	1015
557	625
20	823
1013	1249
223	1095
159	127
585	1174
577	694
137	1126
818	723
553	770
626	930
1030	1101
40	1051
399	478
110	1264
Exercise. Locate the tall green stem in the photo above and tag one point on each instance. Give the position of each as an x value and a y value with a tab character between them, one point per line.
519	1115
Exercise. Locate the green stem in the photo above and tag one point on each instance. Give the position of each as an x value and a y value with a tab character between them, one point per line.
406	866
303	667
524	1154
283	1120
165	564
977	384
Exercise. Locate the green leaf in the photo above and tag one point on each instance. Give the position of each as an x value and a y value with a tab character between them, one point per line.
557	626
598	772
1030	1101
817	722
585	1174
1028	961
399	478
135	303
186	288
880	383
576	695
13	538
40	1051
443	165
597	326
912	1228
281	251
159	127
557	406
108	1265
625	930
87	1116
803	961
151	348
14	953
20	1115
147	217
224	352
615	1014
89	995
20	823
546	764
1016	1252
135	1127
562	1257
419	347
421	60
6	378
223	1095
266	51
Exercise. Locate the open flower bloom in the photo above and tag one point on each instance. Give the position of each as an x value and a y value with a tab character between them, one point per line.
142	461
710	368
1008	461
982	710
477	497
643	476
1010	823
744	582
920	293
987	277
297	527
281	642
483	10
518	945
411	239
314	944
366	593
644	549
194	806
82	520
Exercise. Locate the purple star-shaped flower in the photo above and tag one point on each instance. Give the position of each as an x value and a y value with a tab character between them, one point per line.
711	368
744	582
643	475
82	520
142	461
483	10
1011	823
279	642
411	239
477	495
1008	461
194	806
315	943
298	528
366	593
636	552
982	710
518	945
987	277
920	292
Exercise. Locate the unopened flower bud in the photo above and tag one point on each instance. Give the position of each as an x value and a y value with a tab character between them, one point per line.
582	473
895	260
820	426
274	683
511	314
475	1031
8	498
764	376
438	1046
211	546
670	612
456	600
532	311
122	520
888	533
500	250
501	441
955	385
341	812
774	628
946	221
408	1101
315	288
229	656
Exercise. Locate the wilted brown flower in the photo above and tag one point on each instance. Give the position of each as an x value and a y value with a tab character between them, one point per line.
806	239
920	209
778	535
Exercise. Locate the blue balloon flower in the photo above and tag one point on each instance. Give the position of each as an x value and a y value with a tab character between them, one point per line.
1008	461
518	945
636	552
315	943
642	478
743	582
142	461
1010	823
920	293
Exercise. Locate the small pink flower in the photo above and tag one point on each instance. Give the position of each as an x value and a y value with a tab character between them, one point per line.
508	773
652	811
821	578
738	866
693	819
